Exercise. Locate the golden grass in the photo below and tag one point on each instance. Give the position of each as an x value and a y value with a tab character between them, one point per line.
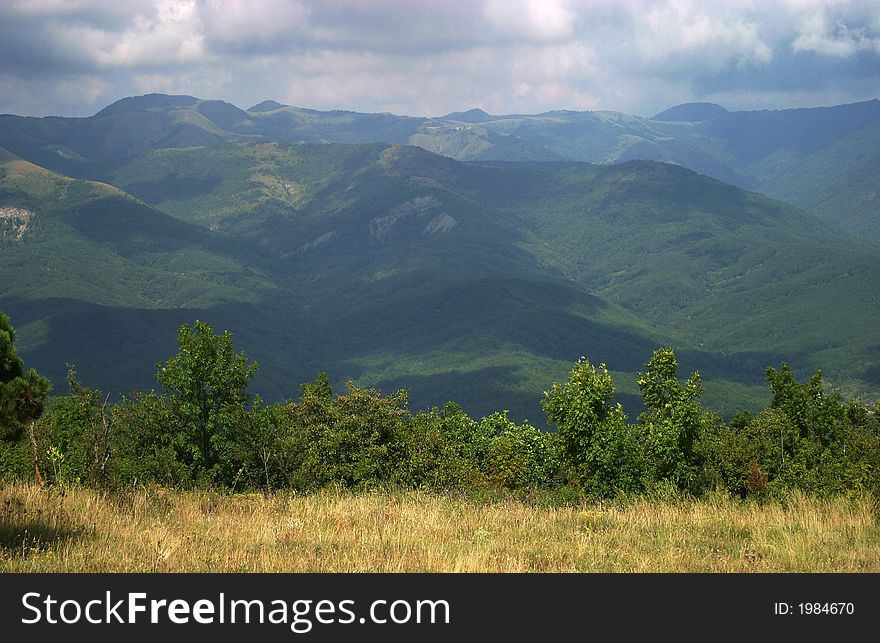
79	530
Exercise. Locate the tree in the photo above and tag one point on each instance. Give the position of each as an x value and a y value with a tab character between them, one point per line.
819	443
520	455
597	443
150	442
440	450
817	415
22	394
355	440
262	452
470	439
207	384
673	421
72	440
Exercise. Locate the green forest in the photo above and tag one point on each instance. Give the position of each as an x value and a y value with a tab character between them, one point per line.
345	243
201	428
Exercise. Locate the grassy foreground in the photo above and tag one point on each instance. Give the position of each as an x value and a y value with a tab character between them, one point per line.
79	530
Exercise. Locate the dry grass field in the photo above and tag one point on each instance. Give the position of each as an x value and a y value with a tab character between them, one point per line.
157	530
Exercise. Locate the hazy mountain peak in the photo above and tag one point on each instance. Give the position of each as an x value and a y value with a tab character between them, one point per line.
224	114
691	112
267	106
147	102
475	115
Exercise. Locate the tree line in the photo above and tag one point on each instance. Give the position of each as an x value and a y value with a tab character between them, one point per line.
205	429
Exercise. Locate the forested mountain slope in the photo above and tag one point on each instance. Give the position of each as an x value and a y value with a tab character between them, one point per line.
821	159
479	283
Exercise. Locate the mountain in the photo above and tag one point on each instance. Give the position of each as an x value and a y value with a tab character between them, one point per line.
93	276
479	281
789	153
149	102
394	266
120	131
690	112
72	252
839	182
821	159
475	115
267	106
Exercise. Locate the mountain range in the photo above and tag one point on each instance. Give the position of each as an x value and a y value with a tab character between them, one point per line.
469	257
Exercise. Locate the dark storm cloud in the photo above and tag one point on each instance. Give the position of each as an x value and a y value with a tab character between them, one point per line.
807	71
433	57
27	47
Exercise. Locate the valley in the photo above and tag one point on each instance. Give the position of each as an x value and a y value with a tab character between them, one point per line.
327	241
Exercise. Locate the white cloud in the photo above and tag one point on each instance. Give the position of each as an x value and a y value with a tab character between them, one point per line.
47	7
710	38
245	22
435	56
86	89
531	19
169	33
210	86
569	61
823	35
73	95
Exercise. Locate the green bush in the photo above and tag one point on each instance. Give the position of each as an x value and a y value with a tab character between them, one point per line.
71	441
354	440
806	440
433	459
599	448
149	444
521	455
205	431
673	423
259	453
207	384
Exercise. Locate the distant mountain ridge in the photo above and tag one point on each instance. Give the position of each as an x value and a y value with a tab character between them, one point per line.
470	256
474	115
690	112
388	264
758	150
267	106
147	102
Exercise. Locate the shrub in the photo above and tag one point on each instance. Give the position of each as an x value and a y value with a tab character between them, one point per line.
520	455
432	459
673	423
71	443
355	440
596	444
207	384
149	443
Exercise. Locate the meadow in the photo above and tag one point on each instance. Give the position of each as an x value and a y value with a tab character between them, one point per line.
153	529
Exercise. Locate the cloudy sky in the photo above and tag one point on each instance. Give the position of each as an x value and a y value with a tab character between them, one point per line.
430	57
